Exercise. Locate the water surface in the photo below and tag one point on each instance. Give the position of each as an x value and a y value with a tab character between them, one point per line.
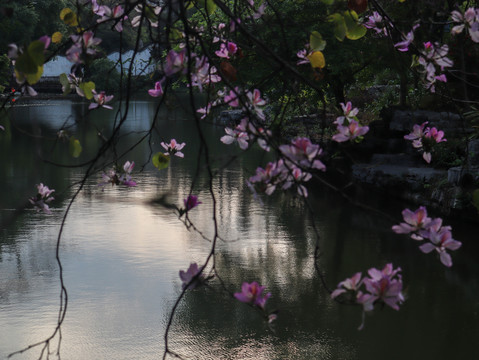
121	256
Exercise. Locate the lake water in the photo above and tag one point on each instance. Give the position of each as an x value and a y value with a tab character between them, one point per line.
121	255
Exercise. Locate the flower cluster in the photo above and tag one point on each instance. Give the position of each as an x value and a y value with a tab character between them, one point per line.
348	125
468	20
299	157
424	138
421	227
119	176
42	199
193	277
434	56
173	148
84	44
107	13
252	293
382	286
376	22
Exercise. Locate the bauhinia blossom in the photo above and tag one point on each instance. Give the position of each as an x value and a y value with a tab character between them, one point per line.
157	90
434	56
252	293
191	202
82	44
414	221
227	50
350	132
238	135
469	21
403	46
381	287
425	138
436	236
441	240
375	22
204	73
349	113
192	278
173	148
119	176
100	100
304	153
42	199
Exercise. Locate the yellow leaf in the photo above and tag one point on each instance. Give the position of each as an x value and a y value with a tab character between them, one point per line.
69	17
57	37
317	59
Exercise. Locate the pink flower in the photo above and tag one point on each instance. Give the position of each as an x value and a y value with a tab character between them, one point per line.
204	73
414	221
191	202
376	23
175	62
100	100
82	44
350	132
252	294
233	136
269	177
173	148
119	176
255	101
417	133
441	240
304	153
192	277
43	197
383	286
158	90
349	113
407	40
232	98
350	284
436	135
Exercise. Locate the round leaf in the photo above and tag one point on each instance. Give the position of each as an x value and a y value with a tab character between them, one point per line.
75	147
317	59
69	17
57	37
161	161
316	41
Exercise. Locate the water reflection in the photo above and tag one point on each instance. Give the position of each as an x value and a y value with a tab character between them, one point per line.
122	255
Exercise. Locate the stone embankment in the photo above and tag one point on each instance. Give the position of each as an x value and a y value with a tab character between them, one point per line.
395	166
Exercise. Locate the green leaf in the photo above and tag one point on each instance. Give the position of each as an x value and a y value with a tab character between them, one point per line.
75	147
316	41
161	161
87	88
65	83
36	49
340	28
475	199
210	7
327	2
354	30
33	78
25	64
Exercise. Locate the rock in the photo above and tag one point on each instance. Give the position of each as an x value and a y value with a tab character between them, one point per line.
473	150
462	176
230	117
404	120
